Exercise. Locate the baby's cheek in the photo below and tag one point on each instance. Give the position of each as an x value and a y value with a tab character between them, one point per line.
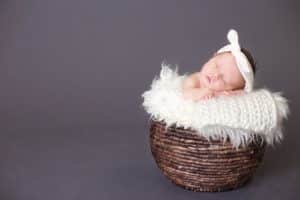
219	86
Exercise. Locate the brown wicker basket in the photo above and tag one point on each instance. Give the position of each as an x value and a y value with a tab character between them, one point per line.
197	164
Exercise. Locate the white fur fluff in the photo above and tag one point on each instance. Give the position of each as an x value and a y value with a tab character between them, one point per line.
238	118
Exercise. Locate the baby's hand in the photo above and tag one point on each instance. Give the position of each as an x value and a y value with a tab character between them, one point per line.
208	94
226	93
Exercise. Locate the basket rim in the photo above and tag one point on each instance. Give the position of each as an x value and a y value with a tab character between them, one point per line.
257	138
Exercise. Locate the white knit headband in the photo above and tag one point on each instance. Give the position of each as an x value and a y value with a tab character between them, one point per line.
241	60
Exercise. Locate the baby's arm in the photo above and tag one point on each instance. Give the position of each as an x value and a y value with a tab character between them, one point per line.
192	81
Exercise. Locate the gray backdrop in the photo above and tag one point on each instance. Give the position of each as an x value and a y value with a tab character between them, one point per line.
72	74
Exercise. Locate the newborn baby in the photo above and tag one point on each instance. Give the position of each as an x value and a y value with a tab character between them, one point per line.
229	72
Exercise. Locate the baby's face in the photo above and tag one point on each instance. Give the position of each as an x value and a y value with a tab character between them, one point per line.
221	73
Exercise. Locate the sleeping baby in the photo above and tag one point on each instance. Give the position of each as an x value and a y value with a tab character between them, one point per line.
229	72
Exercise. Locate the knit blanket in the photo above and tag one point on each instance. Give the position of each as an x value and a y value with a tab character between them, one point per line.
239	118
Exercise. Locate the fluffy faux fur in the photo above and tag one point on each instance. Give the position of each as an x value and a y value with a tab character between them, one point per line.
239	118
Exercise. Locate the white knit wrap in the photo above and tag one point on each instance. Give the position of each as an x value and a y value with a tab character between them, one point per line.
238	118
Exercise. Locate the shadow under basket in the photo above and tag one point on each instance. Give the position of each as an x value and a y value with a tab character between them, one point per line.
193	162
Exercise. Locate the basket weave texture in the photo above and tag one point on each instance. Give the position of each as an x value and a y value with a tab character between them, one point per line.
191	161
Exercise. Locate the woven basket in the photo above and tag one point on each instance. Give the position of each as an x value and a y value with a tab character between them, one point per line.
194	163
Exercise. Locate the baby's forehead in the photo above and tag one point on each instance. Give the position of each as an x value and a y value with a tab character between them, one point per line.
223	54
224	57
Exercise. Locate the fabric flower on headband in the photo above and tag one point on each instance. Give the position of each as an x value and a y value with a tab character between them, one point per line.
242	62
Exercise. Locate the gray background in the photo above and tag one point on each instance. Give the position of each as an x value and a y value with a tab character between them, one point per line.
72	74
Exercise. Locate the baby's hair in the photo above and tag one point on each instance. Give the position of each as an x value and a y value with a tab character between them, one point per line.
250	59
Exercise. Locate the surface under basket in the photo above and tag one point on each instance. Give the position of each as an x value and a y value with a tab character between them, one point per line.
197	164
